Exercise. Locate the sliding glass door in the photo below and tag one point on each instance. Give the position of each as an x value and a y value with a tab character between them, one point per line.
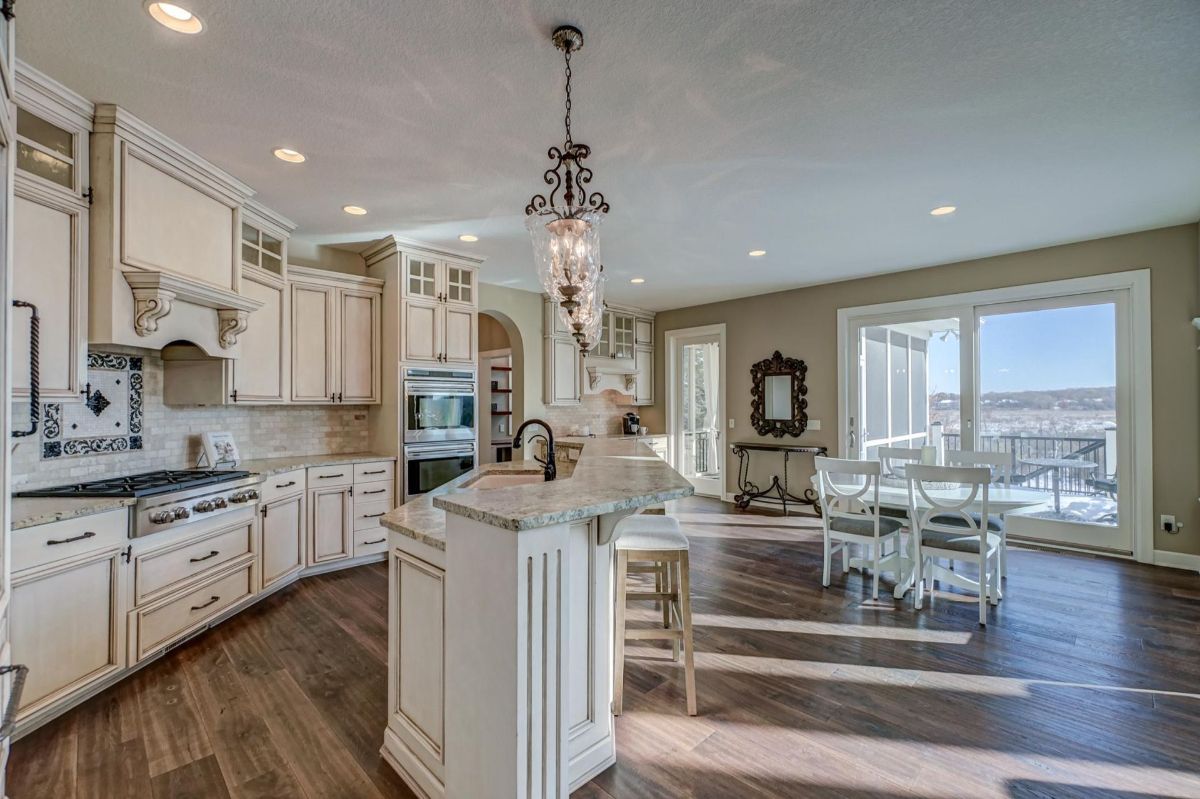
1044	381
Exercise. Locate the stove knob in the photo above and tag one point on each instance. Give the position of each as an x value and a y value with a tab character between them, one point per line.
203	506
180	513
162	516
251	493
219	502
239	497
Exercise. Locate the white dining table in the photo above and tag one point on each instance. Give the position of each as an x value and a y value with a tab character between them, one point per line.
893	493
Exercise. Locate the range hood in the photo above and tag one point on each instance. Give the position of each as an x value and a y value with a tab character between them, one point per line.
604	374
165	233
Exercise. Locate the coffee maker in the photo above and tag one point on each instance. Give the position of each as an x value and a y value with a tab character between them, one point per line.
630	423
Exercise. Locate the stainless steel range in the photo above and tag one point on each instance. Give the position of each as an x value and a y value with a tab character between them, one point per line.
166	499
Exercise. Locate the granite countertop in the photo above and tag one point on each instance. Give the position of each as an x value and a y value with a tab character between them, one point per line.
269	466
575	442
32	511
612	474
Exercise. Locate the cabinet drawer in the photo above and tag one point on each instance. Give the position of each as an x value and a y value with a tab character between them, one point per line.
277	486
159	570
370	541
378	471
158	625
368	514
373	492
330	476
46	543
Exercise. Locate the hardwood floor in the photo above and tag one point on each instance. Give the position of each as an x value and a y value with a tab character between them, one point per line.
1084	684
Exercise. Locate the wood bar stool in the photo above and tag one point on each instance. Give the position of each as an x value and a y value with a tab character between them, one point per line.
654	544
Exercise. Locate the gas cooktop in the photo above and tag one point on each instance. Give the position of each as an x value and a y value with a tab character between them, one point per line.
147	484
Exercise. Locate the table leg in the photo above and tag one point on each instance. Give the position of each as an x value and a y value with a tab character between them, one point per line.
908	569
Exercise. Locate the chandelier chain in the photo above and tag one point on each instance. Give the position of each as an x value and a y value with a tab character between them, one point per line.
567	58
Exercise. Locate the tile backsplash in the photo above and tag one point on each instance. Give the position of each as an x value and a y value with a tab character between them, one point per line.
601	412
170	436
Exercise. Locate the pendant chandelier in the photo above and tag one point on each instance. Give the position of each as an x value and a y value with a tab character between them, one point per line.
564	224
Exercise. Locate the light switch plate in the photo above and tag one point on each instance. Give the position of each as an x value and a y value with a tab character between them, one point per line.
730	424
814	424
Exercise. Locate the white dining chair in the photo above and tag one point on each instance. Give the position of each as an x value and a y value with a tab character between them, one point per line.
851	516
1003	466
966	540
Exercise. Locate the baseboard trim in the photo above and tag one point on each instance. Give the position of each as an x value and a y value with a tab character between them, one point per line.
423	782
1177	560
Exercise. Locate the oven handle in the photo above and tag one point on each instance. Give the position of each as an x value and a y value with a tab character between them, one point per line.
426	455
424	389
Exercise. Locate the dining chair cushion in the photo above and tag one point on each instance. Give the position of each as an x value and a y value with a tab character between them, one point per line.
955	542
649	531
864	526
995	523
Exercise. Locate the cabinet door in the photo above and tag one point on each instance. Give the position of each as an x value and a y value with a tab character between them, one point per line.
416	658
260	374
421	334
459	341
329	527
460	285
358	346
643	331
421	279
67	626
562	367
282	549
50	271
643	386
622	336
312	343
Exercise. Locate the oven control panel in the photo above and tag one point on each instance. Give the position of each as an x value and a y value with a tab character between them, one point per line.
169	511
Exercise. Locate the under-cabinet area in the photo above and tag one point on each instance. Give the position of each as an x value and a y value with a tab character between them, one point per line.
102	586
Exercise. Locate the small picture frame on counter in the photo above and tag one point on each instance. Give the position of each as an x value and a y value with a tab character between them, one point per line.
220	450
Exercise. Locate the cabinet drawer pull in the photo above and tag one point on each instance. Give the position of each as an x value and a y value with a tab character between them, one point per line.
377	471
288	484
212	554
203	605
378	541
374	515
328	476
56	541
376	491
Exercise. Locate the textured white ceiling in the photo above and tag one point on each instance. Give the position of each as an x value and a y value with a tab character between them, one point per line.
821	131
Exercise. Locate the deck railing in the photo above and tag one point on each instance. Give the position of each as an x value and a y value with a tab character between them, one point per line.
696	450
1071	481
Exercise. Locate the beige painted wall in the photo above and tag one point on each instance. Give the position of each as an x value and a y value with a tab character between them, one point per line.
802	323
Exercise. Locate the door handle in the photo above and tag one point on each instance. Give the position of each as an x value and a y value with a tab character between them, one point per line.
35	404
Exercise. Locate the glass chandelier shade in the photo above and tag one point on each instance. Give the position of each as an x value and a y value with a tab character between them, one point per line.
564	224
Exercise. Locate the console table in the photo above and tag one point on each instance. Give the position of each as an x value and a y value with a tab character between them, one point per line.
777	492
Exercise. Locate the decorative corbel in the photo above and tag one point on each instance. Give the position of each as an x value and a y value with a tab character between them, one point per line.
630	381
150	305
231	323
593	378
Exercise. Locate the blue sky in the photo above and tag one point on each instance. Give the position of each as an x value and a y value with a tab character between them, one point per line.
1035	350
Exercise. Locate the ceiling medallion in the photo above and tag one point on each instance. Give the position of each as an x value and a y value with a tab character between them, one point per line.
564	224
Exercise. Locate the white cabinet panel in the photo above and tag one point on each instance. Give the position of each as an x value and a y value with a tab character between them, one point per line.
562	378
329	527
643	387
358	346
49	270
421	336
460	340
312	338
260	375
282	539
417	658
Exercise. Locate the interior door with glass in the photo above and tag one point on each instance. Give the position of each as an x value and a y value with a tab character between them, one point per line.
698	454
1050	382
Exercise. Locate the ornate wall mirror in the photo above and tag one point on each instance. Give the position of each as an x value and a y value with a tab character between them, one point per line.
777	403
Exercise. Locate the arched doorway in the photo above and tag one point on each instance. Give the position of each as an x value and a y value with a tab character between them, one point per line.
501	385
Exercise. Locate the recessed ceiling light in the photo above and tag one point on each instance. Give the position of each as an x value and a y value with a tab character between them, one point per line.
942	210
289	155
354	209
177	18
468	237
757	253
637	280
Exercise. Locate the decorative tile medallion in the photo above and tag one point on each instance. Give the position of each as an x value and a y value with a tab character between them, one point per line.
110	417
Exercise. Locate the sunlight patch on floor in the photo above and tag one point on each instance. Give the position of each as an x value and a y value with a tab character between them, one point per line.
805	627
978	771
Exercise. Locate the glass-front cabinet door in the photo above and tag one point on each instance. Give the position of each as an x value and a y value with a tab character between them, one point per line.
261	249
421	279
45	150
460	284
622	336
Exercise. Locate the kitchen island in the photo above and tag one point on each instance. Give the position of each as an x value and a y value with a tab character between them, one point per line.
500	623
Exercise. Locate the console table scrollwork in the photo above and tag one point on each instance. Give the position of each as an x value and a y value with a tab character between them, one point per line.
777	493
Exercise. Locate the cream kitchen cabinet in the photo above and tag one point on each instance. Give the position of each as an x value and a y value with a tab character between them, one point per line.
330	527
50	235
440	280
439	333
67	620
562	363
335	337
643	383
283	538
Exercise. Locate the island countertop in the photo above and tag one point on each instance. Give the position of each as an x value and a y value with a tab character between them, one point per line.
610	475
